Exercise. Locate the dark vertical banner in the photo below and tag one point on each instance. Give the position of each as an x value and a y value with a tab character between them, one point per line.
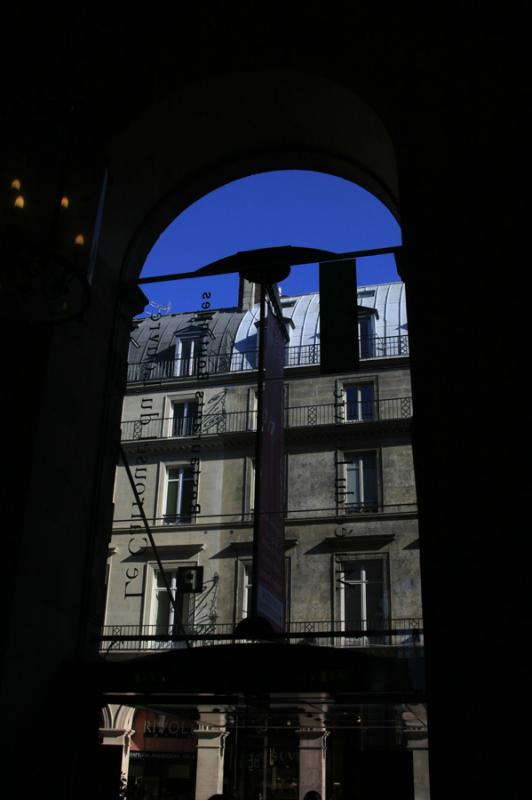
268	574
338	317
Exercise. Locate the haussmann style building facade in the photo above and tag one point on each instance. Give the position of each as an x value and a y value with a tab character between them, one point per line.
351	555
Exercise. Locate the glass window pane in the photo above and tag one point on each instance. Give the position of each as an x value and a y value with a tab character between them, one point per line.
351	402
366	344
353	481
366	401
172	493
364	593
374	601
373	569
352	570
160	581
359	401
370	478
187	354
186	497
246	595
353	606
183	418
163	606
192	410
186	348
179	415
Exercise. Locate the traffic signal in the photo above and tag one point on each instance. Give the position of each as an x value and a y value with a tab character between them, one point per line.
189	579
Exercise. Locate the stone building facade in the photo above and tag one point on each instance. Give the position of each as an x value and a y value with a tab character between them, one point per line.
351	544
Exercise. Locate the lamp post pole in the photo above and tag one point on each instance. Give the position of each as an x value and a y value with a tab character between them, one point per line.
257	510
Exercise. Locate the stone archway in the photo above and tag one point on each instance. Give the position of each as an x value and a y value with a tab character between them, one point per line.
231	127
208	134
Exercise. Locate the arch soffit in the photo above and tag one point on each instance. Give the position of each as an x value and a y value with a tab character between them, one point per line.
117	717
215	132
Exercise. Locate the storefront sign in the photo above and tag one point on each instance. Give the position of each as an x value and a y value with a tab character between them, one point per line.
168	729
143	755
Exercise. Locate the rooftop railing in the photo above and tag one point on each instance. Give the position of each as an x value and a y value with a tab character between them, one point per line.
224	422
157	369
392	633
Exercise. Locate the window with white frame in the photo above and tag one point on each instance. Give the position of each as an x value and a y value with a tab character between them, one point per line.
250	486
246	589
106	585
359	401
363	600
252	409
253	402
184	412
165	617
249	502
186	352
361	481
245	584
179	494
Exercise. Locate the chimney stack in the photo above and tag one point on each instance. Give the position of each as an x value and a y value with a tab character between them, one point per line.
248	294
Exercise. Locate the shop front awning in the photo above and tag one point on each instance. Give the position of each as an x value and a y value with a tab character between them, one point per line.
227	673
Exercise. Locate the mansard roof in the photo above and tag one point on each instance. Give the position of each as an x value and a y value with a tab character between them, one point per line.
233	329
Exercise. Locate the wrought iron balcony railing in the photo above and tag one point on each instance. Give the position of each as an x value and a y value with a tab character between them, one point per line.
224	422
305	355
392	632
343	513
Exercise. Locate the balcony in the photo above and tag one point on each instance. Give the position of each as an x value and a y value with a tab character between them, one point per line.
404	632
370	348
398	408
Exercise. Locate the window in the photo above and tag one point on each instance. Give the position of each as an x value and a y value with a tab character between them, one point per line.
249	486
253	404
366	336
249	483
107	579
246	590
361	481
363	601
164	618
179	494
184	414
359	402
244	586
186	355
253	400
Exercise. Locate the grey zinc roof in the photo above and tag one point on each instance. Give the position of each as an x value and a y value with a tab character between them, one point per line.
162	332
233	330
387	299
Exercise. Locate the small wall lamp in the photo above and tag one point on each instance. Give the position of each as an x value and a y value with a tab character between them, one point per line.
53	184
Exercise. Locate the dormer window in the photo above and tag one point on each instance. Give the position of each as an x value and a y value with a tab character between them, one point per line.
366	335
186	350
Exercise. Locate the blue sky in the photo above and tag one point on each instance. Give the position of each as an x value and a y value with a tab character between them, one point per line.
288	207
